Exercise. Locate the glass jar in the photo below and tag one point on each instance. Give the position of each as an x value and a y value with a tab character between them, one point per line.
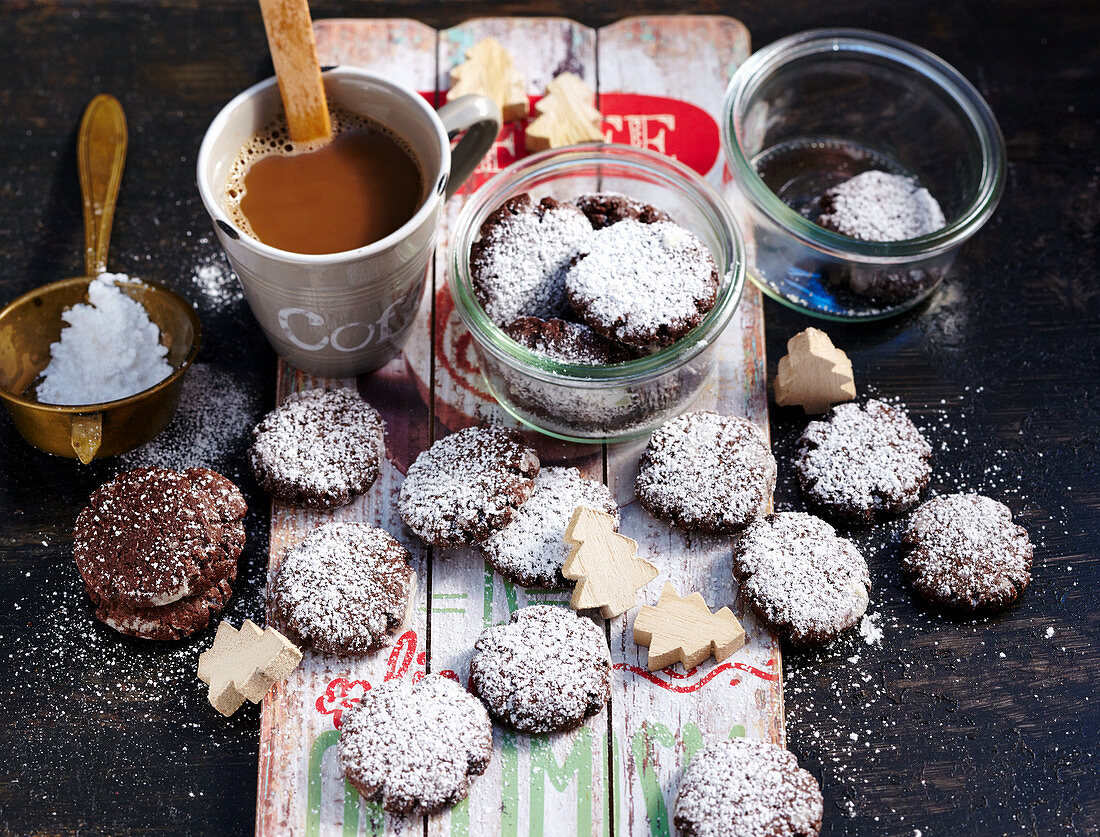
812	110
613	402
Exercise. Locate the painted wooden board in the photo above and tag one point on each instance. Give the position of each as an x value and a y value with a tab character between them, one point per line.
660	85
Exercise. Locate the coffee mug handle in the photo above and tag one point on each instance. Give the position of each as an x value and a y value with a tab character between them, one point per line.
479	117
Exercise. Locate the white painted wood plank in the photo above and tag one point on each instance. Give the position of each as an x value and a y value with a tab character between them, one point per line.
648	69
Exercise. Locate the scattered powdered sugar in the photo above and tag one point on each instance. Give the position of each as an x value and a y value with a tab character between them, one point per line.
519	263
804	580
963	550
531	549
746	788
870	630
643	284
210	427
345	589
110	349
467	485
320	448
863	460
546	670
706	472
214	279
415	746
878	206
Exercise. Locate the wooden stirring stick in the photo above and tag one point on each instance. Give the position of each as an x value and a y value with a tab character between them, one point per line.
294	54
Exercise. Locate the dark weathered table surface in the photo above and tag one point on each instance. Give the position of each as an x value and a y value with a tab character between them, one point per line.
947	727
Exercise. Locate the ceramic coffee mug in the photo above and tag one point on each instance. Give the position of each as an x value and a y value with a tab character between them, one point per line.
343	314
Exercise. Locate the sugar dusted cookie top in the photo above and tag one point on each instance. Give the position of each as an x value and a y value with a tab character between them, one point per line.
806	583
467	486
415	747
964	551
744	788
321	448
546	670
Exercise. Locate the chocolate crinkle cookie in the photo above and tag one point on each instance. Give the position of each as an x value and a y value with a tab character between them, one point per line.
531	550
706	472
606	208
880	206
963	551
803	580
346	589
415	747
645	285
544	671
321	448
518	263
863	463
467	486
158	550
566	342
744	788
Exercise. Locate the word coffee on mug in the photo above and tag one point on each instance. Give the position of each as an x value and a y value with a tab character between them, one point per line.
332	243
362	186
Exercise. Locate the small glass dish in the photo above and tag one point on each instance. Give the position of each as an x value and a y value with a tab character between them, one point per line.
614	402
814	109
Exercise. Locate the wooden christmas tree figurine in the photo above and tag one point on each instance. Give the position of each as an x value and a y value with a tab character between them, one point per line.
814	374
684	630
604	565
245	664
489	71
567	115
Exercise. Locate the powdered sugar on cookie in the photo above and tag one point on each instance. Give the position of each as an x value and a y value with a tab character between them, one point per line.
345	589
530	550
518	265
743	788
415	747
878	206
863	461
643	284
805	582
963	550
467	486
707	472
546	670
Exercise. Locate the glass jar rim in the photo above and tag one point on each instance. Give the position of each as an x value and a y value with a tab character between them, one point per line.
493	338
764	63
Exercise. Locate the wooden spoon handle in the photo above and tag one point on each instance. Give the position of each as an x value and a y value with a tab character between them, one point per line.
100	156
294	54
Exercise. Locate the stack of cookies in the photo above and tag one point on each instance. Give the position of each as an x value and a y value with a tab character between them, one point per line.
597	280
158	550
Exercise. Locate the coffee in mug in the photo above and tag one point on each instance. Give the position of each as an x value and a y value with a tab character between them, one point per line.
363	185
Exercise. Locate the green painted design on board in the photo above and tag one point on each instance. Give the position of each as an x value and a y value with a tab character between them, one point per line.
509	803
693	741
737	731
617	783
544	766
460	819
313	780
642	745
511	596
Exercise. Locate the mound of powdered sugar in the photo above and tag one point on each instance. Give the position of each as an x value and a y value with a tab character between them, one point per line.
110	349
878	206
